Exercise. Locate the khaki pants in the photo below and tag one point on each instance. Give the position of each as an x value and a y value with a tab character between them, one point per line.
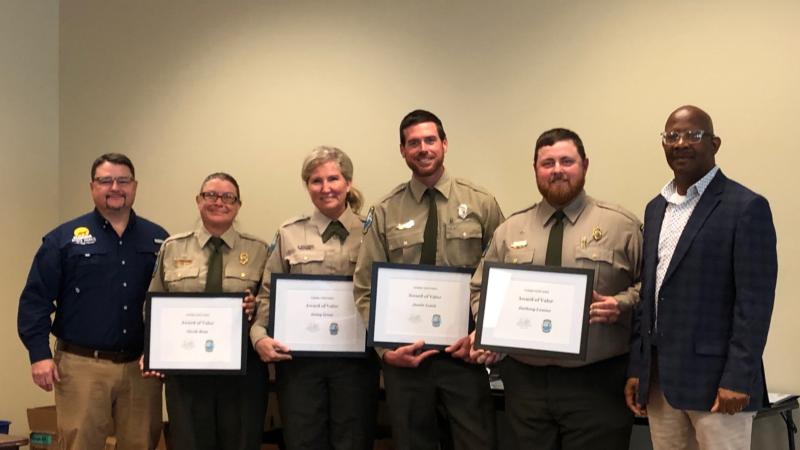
97	398
677	429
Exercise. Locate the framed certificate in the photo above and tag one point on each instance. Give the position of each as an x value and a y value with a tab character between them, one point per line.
315	315
535	310
195	333
411	302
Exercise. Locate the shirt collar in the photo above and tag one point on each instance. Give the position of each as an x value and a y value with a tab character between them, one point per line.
103	222
321	221
695	190
444	186
228	237
572	211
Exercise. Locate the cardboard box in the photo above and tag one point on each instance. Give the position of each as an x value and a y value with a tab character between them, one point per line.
44	432
44	429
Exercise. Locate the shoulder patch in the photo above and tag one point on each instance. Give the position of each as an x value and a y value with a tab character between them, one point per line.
368	220
274	243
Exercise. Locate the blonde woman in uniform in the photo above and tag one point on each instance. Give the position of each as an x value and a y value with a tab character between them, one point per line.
325	403
215	411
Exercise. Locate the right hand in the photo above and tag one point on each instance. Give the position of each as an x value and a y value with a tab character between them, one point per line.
45	374
408	355
631	387
149	373
270	350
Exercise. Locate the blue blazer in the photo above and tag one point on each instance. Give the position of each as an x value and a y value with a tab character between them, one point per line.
715	302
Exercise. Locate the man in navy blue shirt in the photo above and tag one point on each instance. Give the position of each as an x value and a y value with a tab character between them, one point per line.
93	272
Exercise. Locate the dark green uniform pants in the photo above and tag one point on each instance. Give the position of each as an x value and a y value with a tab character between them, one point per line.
556	408
218	412
461	389
328	403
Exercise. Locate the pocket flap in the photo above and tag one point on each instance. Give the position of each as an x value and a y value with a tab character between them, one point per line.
463	230
82	251
242	273
305	256
519	255
401	240
181	273
595	254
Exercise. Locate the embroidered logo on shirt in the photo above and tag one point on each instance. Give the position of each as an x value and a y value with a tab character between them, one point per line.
81	236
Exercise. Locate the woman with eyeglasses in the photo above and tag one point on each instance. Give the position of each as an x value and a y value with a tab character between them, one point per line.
215	411
327	402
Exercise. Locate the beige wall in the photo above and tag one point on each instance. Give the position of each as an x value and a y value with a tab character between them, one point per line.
29	185
190	87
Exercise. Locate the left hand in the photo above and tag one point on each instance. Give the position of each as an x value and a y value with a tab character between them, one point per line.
729	402
460	348
604	309
249	304
480	356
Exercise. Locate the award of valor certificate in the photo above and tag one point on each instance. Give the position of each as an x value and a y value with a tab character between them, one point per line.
535	310
195	333
412	302
315	315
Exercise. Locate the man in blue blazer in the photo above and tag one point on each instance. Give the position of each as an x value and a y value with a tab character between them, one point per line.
708	287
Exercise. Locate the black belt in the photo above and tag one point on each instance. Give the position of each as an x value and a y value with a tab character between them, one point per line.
117	357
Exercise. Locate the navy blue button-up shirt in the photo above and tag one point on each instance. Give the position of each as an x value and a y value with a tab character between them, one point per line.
94	280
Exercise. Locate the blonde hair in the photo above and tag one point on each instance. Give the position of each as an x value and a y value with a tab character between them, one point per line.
323	154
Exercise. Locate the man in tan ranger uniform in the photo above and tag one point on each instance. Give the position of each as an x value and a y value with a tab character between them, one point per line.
552	403
398	230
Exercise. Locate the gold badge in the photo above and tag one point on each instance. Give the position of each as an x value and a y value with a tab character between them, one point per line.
243	258
597	234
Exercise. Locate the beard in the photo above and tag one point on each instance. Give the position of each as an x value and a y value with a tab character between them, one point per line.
117	203
560	193
422	172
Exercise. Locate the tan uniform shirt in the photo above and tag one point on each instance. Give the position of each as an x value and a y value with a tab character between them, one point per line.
467	214
299	249
599	236
182	264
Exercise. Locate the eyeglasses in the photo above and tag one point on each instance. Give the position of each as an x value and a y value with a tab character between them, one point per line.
226	197
691	136
108	181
